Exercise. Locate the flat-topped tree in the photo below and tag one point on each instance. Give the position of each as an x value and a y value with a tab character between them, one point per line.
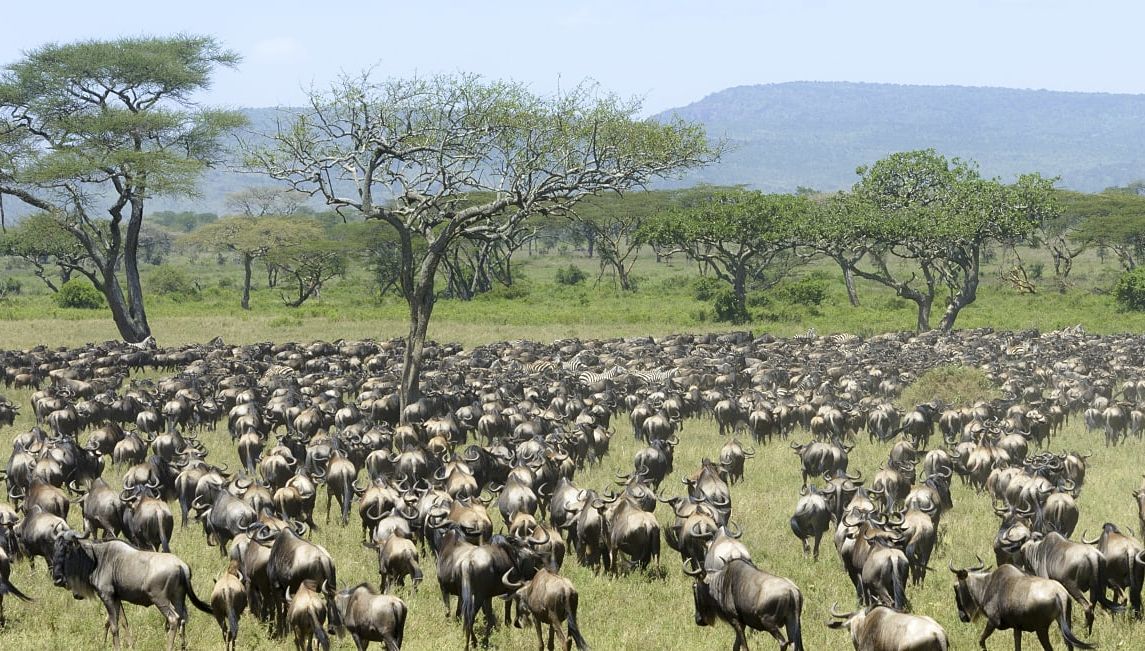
413	152
744	237
92	130
936	215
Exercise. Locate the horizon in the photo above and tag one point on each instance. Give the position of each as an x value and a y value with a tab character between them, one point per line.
669	54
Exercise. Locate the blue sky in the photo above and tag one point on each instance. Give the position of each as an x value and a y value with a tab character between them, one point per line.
670	53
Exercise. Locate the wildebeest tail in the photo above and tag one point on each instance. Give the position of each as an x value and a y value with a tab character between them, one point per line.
898	582
466	602
319	632
399	628
199	603
574	630
347	497
7	588
1136	573
797	529
232	619
1064	609
795	630
1099	591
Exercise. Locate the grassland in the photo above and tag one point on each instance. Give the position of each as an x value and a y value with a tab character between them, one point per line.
640	611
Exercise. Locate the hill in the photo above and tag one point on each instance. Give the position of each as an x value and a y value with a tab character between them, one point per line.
815	133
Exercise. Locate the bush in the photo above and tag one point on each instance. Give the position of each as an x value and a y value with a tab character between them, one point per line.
80	294
171	281
807	291
705	288
727	309
570	275
1037	270
1129	292
952	384
11	287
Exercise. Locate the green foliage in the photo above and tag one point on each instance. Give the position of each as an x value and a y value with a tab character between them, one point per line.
809	291
172	281
728	308
80	294
570	275
951	384
1130	290
11	287
705	288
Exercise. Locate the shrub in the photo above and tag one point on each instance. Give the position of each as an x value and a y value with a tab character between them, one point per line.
806	291
80	294
167	281
727	309
705	288
952	384
570	275
1129	292
11	287
1037	270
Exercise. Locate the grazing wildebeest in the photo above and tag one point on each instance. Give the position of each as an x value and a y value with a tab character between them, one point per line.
115	572
882	629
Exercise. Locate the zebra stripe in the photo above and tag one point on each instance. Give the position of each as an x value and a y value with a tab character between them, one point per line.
655	377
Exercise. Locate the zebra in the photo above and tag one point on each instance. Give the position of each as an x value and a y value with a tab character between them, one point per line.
589	378
845	339
655	377
276	373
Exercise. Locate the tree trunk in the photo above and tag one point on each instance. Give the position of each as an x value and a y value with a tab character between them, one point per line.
247	261
129	329
849	281
135	305
924	305
966	294
590	236
421	301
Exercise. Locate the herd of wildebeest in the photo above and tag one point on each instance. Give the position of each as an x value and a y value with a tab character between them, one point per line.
506	428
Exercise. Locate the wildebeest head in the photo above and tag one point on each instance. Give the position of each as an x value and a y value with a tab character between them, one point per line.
968	606
72	563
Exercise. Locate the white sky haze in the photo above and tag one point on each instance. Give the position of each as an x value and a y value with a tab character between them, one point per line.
669	52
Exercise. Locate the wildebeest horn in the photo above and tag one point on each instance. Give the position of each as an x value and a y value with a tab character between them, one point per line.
299	528
533	540
1090	542
700	534
839	615
125	495
154	483
510	584
736	533
691	562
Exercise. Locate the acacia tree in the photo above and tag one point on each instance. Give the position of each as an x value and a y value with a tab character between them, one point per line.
411	152
740	235
41	241
937	215
1115	221
110	124
253	238
612	226
833	233
311	264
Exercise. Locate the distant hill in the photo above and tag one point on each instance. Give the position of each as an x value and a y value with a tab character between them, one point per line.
815	134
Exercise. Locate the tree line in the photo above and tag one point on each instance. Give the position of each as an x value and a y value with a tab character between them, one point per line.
440	181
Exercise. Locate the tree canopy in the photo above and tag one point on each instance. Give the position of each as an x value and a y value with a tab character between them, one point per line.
109	124
414	152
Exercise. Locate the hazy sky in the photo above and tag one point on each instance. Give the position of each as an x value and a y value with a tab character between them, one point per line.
669	52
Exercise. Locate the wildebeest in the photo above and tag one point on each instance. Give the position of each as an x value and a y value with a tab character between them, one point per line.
745	596
1077	566
550	599
1011	599
114	572
307	616
6	586
371	617
881	629
812	518
1125	562
228	601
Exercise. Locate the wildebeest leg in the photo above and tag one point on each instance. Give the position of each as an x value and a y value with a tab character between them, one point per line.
817	541
1044	638
359	642
114	610
741	637
777	634
1017	639
540	634
987	632
555	627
